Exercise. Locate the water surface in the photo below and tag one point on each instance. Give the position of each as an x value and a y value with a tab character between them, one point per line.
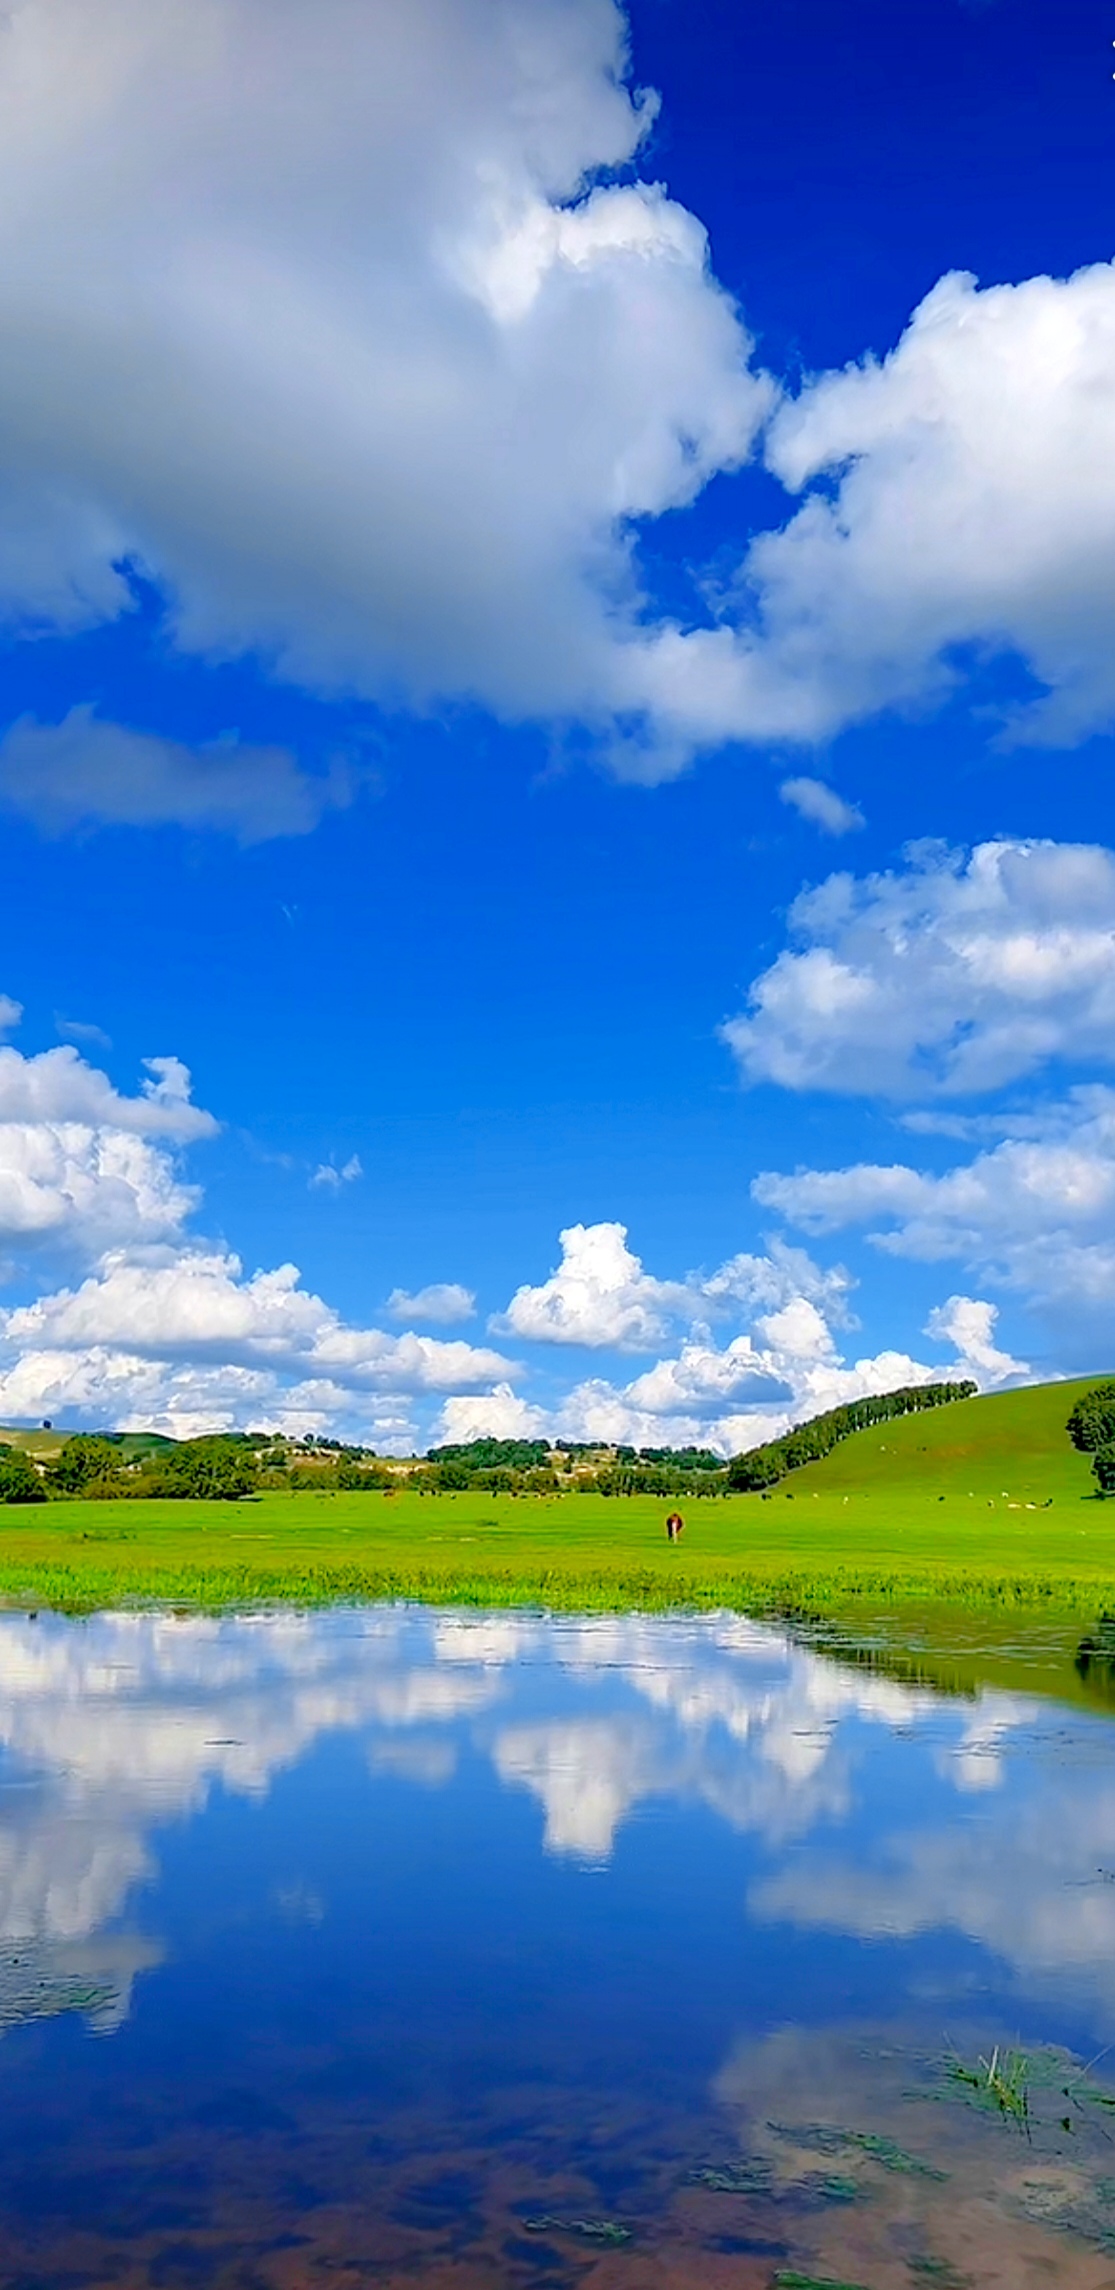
392	1946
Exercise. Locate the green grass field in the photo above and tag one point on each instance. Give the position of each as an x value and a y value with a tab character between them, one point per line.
982	1503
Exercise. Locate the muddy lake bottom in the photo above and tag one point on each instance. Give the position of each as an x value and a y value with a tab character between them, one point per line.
395	1945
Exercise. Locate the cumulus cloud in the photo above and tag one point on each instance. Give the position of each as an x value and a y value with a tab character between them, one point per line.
338	323
966	497
602	1297
821	805
326	317
785	1367
227	1343
599	1295
59	1086
82	1167
1033	1212
497	1414
165	1330
85	772
956	974
708	1400
64	1186
444	1302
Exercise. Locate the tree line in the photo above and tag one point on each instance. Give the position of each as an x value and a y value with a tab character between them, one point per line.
764	1466
230	1465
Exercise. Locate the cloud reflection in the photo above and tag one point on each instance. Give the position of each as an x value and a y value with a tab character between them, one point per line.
113	1727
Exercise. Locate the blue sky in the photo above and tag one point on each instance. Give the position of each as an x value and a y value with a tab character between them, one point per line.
558	581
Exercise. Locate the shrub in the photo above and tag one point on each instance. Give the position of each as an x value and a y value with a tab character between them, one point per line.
19	1480
1103	1464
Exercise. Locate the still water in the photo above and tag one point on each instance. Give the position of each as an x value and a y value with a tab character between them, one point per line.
396	1946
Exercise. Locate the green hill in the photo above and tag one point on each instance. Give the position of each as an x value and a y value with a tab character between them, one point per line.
46	1445
1003	1448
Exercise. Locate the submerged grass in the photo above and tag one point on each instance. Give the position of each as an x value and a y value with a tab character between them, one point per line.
84	1585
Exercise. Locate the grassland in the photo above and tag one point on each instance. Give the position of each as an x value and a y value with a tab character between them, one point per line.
983	1503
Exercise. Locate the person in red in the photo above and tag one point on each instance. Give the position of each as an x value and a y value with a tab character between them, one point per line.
675	1527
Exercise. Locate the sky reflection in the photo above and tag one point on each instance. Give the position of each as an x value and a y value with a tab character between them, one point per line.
115	1726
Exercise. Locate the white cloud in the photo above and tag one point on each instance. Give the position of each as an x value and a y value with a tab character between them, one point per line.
599	1295
964	497
184	1334
328	1178
955	975
602	1297
65	1186
85	772
1033	1212
969	1323
730	1397
701	1380
165	1331
444	1302
83	1168
497	1414
59	1086
337	322
323	316
706	1400
821	805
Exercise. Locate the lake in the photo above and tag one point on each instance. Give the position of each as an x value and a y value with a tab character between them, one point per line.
399	1946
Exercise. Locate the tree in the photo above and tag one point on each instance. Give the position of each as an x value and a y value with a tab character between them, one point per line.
453	1478
761	1468
1092	1422
208	1470
84	1458
1103	1464
19	1480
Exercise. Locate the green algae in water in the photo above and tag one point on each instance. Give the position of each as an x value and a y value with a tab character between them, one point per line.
751	2177
829	2187
830	2139
1087	2212
754	2176
789	2280
606	2233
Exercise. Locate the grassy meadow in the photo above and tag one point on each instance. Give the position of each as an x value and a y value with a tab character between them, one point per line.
983	1503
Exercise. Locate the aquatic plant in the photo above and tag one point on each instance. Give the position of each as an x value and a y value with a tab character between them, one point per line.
752	2176
788	2279
1001	2083
829	2187
607	2232
1085	2211
831	2139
